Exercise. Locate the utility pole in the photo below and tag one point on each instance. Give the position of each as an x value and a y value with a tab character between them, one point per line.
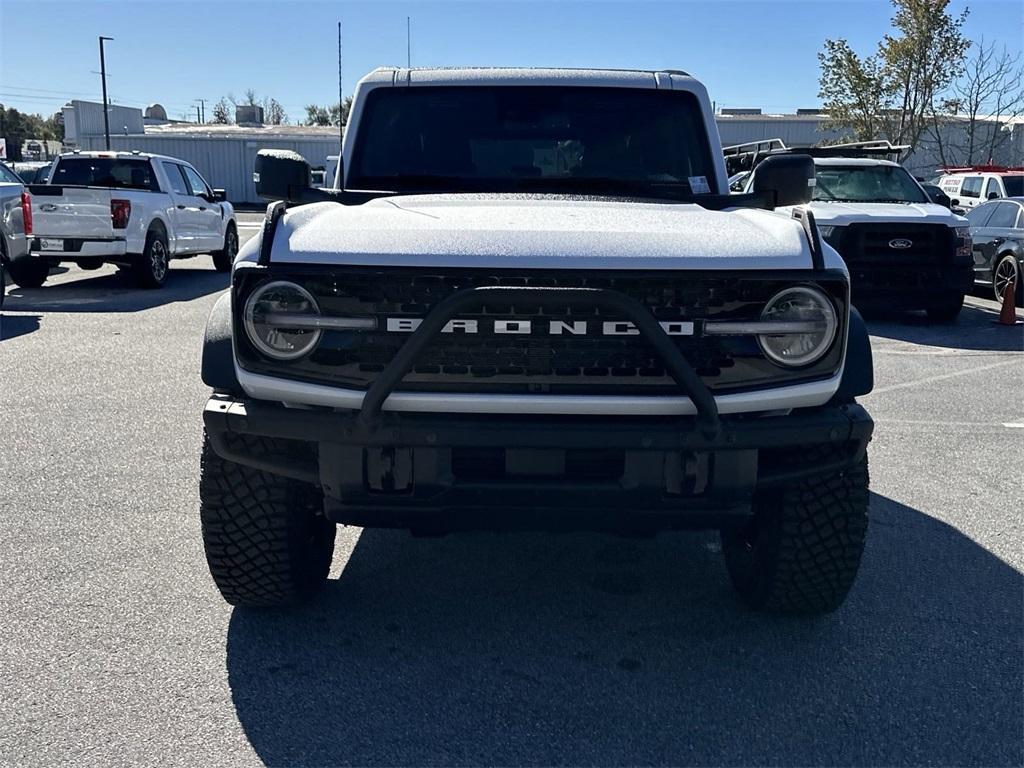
408	42
199	120
106	107
202	113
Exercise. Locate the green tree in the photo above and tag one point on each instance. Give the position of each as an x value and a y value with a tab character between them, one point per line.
328	114
18	127
891	93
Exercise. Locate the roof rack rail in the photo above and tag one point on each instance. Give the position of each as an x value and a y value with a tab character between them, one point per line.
981	168
744	157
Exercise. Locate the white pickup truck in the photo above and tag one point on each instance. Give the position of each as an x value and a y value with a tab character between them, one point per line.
127	208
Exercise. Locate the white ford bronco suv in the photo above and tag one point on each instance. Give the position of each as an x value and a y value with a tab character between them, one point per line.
903	250
531	303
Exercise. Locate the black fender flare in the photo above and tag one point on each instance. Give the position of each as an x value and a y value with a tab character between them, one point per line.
218	361
858	372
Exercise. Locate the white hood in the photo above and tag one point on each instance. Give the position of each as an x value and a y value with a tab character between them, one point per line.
513	232
841	214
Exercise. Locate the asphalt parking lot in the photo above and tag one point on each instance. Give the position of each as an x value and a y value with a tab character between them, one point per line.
523	649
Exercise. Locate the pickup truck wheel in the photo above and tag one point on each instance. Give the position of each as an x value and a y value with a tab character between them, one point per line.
266	542
800	551
946	311
29	272
223	259
151	270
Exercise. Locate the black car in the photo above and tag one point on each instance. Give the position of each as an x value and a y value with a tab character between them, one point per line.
997	231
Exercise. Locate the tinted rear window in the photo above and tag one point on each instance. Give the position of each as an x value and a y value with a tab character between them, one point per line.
1014	186
121	173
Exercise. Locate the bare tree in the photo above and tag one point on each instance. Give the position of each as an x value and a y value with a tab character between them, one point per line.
221	112
967	124
273	112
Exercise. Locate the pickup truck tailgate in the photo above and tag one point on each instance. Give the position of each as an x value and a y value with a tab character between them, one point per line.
59	211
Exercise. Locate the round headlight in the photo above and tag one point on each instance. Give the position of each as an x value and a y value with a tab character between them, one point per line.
274	316
812	325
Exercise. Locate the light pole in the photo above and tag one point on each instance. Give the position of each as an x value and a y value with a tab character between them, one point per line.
106	108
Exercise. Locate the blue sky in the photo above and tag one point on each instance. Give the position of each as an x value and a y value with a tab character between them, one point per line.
748	53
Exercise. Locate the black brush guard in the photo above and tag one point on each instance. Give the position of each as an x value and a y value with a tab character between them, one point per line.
599	298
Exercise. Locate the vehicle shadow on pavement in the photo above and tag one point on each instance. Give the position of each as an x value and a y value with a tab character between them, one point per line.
583	649
974	329
12	326
115	292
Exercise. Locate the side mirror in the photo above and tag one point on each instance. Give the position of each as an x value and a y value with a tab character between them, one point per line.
790	178
939	197
220	196
992	195
954	203
281	175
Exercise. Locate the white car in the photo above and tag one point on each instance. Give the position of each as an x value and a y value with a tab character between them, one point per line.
531	302
127	208
970	187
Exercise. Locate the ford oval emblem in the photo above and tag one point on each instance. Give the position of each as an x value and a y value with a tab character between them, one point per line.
900	242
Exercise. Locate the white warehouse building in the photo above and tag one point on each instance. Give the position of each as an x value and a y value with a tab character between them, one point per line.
224	154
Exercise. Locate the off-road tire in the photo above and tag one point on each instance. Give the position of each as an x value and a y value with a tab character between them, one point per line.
28	272
801	550
947	310
224	258
267	543
150	270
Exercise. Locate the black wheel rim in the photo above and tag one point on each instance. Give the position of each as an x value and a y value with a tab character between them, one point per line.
232	246
1006	272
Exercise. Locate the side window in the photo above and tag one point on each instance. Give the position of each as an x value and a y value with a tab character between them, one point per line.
195	182
978	216
173	171
971	187
1004	217
992	187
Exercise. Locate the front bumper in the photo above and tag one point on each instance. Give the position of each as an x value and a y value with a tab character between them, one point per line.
440	472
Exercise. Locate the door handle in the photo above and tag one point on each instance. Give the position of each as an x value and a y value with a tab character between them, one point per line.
181	207
202	207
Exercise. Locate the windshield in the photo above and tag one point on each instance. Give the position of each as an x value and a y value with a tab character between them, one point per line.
866	184
8	176
105	172
536	138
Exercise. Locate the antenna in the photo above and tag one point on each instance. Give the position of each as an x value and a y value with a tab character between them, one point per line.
408	42
341	101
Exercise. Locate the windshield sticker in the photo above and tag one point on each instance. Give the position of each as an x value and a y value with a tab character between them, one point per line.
699	185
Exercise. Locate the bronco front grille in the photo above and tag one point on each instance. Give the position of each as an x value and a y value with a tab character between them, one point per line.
538	361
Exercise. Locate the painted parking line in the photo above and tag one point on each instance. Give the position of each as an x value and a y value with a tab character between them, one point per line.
941	377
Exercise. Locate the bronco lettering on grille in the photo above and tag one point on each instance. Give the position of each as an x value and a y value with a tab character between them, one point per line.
539	327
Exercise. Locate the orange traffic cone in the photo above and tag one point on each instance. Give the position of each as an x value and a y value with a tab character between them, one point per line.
1008	314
